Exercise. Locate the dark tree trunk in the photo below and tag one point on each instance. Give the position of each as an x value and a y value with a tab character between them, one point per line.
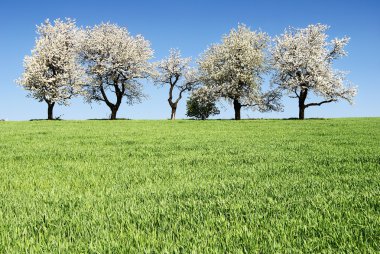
174	110
50	110
115	107
174	104
114	110
301	104
301	113
237	108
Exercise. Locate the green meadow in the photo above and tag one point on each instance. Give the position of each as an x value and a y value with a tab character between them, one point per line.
250	186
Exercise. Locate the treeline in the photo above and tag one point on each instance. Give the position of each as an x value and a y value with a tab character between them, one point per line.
106	64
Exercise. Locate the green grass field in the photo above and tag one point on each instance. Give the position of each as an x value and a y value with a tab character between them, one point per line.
247	186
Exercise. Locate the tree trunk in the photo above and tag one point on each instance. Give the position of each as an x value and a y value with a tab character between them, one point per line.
301	104
237	108
50	110
174	110
301	113
114	110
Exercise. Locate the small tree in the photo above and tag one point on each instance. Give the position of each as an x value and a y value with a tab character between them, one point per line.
303	62
201	104
115	62
175	72
233	70
52	73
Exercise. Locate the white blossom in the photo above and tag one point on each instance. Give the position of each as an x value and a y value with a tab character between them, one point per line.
204	94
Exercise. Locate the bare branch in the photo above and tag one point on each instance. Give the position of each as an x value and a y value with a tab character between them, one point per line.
319	103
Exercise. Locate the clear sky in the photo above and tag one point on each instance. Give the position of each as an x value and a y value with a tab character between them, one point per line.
191	26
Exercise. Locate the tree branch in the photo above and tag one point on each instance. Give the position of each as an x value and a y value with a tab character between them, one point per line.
297	95
109	104
319	103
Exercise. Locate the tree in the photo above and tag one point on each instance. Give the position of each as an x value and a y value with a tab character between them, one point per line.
303	61
201	104
175	72
53	73
115	62
233	70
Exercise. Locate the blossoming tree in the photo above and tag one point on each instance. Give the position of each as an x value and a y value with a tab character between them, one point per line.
175	72
115	63
233	70
303	61
53	73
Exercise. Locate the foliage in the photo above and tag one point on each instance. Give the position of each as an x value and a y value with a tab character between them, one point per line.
200	105
190	186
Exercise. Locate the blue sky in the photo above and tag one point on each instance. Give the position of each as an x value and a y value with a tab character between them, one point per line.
191	26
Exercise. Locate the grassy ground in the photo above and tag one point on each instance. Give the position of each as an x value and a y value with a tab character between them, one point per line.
205	186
